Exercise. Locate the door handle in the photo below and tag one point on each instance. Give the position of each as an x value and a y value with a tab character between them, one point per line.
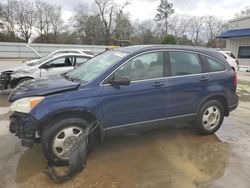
204	79
158	84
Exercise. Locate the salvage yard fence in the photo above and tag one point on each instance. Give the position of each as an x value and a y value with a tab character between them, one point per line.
21	51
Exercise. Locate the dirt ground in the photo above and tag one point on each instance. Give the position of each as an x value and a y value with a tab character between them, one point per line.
172	157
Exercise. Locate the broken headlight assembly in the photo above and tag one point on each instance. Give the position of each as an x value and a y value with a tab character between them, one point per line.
25	105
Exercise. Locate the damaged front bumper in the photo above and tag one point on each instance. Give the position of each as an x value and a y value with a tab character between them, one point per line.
24	127
5	80
2	85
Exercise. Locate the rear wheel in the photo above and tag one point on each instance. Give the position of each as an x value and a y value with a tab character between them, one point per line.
210	117
58	138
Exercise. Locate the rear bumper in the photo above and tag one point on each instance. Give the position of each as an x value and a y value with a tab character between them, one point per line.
233	107
24	127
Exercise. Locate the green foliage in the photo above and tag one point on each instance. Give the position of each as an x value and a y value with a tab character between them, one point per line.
123	28
169	39
164	10
185	41
10	37
94	30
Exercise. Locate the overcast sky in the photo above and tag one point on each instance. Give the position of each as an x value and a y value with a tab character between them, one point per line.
146	9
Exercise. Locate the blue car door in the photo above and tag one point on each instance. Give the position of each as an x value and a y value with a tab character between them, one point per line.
144	99
187	84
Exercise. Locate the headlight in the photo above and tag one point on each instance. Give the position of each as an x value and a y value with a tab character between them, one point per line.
25	105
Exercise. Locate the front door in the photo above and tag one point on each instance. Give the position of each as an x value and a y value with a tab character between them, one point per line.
144	100
57	66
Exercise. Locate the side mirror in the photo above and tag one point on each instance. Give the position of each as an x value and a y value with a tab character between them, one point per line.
119	80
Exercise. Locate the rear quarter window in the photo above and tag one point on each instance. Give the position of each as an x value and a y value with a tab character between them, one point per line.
214	65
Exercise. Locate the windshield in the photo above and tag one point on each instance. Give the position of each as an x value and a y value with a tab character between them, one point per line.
95	66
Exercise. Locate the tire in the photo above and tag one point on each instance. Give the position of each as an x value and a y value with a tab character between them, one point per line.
209	118
55	140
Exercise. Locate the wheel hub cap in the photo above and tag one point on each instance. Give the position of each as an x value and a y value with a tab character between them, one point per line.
65	140
211	117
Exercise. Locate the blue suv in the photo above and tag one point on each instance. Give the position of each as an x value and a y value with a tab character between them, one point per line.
126	89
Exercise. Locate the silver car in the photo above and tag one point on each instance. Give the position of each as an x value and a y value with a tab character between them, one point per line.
50	65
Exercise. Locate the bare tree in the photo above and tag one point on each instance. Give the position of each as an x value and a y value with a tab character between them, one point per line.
213	28
25	17
80	19
106	11
196	27
94	30
56	19
179	25
43	17
123	27
8	16
144	32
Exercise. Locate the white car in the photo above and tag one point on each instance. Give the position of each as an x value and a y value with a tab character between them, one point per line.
50	65
234	63
58	52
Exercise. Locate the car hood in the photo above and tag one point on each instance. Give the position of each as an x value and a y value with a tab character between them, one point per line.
20	68
42	87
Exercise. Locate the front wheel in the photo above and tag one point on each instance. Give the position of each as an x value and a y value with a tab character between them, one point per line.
210	117
58	138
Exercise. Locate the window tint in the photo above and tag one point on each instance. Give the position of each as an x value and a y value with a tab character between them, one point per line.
147	66
214	65
184	63
244	52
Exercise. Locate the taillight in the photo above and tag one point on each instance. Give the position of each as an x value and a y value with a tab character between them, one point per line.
237	62
235	80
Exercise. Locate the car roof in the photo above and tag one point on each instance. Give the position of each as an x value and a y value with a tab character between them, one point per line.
74	49
225	51
143	48
72	54
138	48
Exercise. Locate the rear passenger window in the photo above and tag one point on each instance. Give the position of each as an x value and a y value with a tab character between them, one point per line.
214	65
184	63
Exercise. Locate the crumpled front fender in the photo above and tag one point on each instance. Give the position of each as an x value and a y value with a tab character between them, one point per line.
18	75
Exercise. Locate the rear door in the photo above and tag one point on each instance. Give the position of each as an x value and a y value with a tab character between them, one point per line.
187	84
144	100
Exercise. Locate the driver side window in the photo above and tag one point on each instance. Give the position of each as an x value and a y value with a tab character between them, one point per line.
61	62
143	67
